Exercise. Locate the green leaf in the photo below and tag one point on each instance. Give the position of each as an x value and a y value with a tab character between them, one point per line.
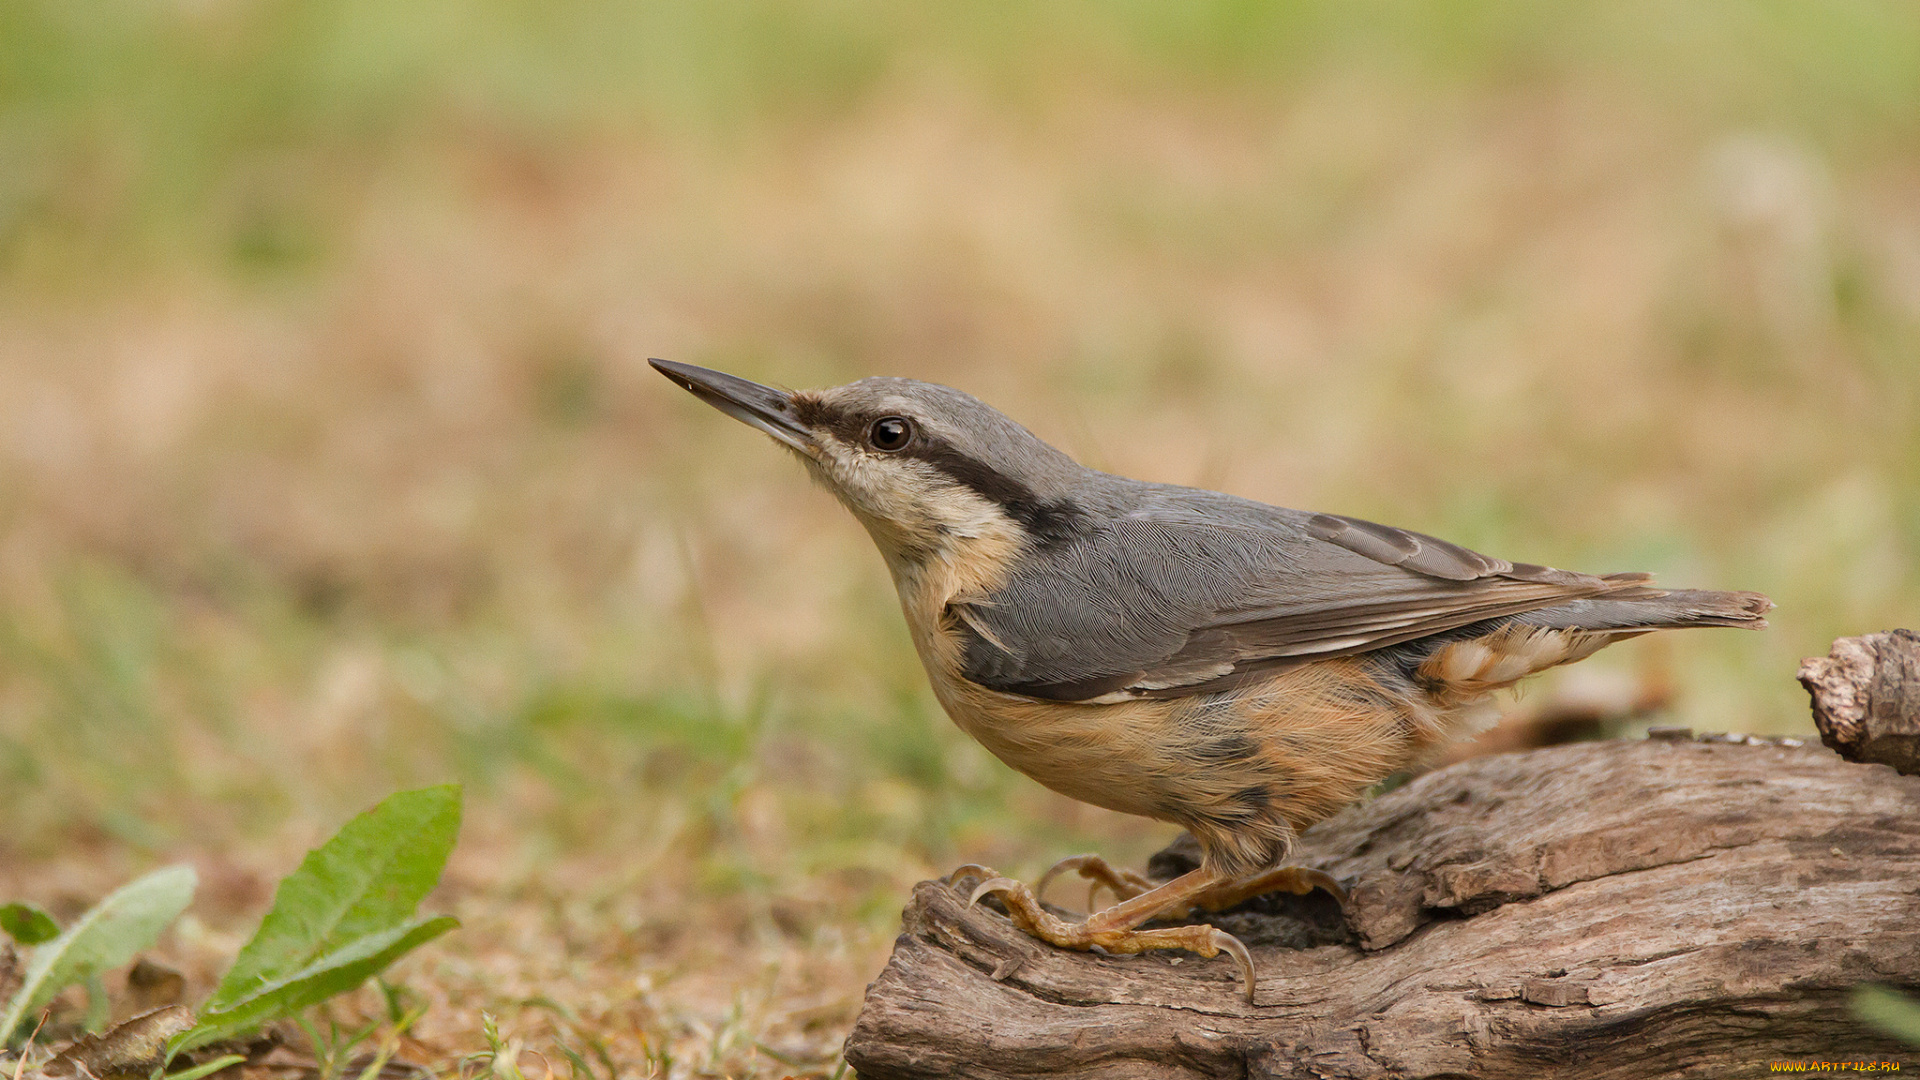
335	973
369	878
27	924
127	921
1890	1011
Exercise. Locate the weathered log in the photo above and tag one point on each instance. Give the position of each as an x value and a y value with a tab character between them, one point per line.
1866	698
1623	909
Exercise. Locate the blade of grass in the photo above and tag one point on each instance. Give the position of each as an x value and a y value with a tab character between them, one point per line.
20	1063
207	1068
1890	1011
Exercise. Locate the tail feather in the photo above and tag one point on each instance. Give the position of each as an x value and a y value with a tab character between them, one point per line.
1458	671
1654	609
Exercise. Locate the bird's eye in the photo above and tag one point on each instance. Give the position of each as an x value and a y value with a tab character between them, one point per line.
890	433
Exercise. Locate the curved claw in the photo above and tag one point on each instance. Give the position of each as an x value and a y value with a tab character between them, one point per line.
1337	891
1231	945
1071	862
992	885
970	870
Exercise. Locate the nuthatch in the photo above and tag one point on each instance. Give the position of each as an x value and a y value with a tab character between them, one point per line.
1239	669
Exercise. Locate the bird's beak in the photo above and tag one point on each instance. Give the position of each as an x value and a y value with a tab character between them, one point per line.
764	407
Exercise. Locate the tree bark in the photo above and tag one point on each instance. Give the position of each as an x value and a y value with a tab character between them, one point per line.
1622	909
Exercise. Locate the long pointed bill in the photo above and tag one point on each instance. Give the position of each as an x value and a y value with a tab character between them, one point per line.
764	407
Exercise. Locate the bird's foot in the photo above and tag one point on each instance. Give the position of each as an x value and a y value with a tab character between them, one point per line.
1113	929
1100	874
1299	880
1126	884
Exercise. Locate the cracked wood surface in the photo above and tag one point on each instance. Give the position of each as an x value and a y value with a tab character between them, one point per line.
1620	909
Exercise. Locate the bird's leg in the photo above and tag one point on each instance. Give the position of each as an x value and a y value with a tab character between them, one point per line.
1113	929
1124	884
1299	880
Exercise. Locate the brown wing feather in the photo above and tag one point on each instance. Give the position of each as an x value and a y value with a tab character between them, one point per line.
1402	547
1219	657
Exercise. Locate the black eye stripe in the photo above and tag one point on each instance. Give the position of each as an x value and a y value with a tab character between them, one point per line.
1048	520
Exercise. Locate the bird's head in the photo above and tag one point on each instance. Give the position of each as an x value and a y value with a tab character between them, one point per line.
924	467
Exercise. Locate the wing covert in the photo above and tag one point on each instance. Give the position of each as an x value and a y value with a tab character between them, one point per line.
1177	597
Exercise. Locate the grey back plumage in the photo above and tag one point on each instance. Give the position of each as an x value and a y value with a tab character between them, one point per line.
1167	590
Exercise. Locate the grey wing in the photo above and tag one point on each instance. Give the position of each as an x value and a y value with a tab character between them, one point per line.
1178	597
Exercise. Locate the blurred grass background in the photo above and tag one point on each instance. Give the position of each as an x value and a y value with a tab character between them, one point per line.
330	463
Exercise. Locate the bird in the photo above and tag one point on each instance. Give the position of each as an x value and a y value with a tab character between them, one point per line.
1238	669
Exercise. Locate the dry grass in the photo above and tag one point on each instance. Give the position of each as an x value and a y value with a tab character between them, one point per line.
329	461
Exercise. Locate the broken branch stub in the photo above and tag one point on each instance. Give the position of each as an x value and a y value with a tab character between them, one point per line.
1866	698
